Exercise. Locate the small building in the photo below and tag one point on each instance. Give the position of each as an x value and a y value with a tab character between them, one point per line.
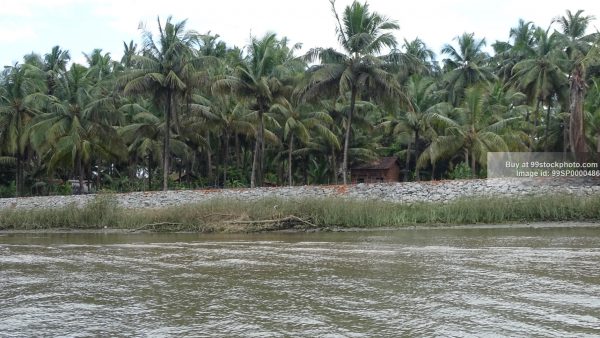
386	169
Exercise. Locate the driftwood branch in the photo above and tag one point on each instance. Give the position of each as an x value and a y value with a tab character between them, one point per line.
154	225
261	224
275	221
221	215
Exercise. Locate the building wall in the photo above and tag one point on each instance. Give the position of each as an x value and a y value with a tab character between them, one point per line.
393	174
367	176
376	176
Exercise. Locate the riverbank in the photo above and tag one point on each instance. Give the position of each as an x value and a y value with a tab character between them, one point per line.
317	214
528	225
403	193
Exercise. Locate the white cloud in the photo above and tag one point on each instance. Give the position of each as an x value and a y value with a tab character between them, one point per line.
15	9
311	21
307	21
12	34
27	8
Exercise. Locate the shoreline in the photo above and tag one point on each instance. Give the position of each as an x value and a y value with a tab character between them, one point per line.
124	231
319	214
443	191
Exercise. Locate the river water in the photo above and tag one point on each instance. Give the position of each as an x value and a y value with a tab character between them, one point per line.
450	282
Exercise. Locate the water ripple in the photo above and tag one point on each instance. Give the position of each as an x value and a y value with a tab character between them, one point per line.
412	283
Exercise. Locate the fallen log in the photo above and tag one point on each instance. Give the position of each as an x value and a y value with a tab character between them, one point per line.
283	220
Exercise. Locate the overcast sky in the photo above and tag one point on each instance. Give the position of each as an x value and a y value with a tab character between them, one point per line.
82	25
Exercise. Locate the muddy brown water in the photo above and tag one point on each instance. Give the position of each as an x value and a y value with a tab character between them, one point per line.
423	282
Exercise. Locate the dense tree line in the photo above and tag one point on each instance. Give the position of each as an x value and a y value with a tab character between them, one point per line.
184	109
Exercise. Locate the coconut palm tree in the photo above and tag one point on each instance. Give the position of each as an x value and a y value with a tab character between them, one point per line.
143	138
415	57
362	34
129	51
211	46
593	109
418	51
578	47
523	38
166	69
298	122
258	77
541	76
66	133
521	47
574	28
473	130
100	66
411	120
465	66
22	93
55	65
233	120
326	147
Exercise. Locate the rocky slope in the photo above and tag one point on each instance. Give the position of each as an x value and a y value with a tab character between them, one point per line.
430	191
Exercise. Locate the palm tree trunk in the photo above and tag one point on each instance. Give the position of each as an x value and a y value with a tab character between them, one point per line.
180	172
131	168
353	94
577	127
334	165
527	115
244	158
546	145
18	177
192	169
473	166
225	158
261	172
218	159
166	141
256	176
535	123
290	149
254	162
80	172
417	177
407	165
149	172
209	172
305	172
565	138
281	173
238	159
18	191
90	175
22	175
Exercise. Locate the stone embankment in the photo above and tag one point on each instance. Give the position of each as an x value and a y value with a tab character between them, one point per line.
411	192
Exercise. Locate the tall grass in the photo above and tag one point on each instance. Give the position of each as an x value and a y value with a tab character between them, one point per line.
270	214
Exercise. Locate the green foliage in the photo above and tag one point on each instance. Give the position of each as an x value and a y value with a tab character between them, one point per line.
184	102
465	66
236	178
64	189
98	213
7	190
460	171
273	214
